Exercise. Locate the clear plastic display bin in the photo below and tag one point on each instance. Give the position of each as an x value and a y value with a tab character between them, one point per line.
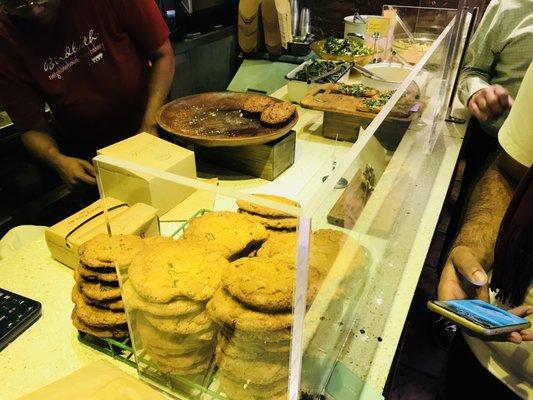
288	297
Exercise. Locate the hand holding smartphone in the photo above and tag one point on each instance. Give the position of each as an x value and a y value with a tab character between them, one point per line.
479	316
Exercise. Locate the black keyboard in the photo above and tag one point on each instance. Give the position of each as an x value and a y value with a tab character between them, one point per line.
16	314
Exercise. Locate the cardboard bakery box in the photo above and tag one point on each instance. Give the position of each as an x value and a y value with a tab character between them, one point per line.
148	151
65	237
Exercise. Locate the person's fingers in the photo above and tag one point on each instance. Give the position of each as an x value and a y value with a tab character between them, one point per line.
522	311
515	337
88	167
484	111
493	103
468	266
527	335
482	293
87	179
449	286
475	110
510	100
503	96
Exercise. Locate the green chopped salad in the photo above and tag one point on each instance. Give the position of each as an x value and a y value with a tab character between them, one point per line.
320	67
336	46
379	101
356	90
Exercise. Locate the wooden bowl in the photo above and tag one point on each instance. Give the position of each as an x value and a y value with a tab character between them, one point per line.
215	119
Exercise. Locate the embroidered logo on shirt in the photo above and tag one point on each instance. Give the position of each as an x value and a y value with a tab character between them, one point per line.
90	47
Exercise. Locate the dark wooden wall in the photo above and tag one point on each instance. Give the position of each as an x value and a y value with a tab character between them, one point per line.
328	15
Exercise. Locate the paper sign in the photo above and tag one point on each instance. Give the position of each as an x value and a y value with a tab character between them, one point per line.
378	25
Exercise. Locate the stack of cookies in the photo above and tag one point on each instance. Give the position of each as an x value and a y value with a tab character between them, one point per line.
326	246
99	309
274	220
166	293
253	308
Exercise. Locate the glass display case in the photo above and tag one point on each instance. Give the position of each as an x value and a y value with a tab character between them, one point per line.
293	294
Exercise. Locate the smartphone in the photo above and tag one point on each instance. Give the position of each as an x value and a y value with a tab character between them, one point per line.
479	316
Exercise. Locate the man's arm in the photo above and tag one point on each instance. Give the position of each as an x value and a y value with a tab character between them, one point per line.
74	172
464	274
161	76
485	101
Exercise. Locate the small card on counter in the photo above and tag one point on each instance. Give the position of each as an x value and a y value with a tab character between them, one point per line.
99	380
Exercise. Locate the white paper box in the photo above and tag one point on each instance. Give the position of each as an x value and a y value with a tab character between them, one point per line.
150	151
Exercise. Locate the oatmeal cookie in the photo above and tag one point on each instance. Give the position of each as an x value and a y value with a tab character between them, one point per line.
100	274
175	308
222	307
278	115
177	270
250	353
95	316
105	251
97	291
275	338
254	105
190	324
228	233
257	372
117	332
272	223
263	284
265	211
115	305
164	341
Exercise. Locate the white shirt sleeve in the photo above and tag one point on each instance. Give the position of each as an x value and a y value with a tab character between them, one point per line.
516	134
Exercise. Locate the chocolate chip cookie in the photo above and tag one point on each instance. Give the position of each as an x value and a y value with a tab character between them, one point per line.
104	251
223	308
173	309
228	233
176	270
263	284
95	316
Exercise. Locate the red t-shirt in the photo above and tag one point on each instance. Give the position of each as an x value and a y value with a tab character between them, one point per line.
91	67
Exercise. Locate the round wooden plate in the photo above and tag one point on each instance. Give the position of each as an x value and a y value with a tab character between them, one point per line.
215	119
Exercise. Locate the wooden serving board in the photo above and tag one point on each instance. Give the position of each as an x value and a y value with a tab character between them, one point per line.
322	99
215	119
349	206
342	120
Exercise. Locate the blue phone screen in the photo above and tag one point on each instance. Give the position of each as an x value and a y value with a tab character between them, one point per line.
482	313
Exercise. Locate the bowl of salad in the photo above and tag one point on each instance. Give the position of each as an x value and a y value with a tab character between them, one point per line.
412	50
348	50
312	73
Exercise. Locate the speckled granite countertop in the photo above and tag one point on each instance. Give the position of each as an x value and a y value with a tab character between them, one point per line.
49	349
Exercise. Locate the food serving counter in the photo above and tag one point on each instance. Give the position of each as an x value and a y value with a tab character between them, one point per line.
343	338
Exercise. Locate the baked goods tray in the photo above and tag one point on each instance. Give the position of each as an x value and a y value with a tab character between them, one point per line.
121	350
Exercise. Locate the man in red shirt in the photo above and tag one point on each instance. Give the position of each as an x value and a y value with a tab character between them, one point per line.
104	67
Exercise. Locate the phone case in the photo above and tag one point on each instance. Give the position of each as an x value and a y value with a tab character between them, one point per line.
472	325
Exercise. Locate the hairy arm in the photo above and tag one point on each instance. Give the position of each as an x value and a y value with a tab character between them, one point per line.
484	214
74	172
161	76
464	274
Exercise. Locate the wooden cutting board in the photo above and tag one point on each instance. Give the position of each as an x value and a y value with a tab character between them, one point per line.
349	206
322	99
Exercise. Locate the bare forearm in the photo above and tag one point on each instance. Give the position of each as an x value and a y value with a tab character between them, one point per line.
486	208
161	76
42	145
